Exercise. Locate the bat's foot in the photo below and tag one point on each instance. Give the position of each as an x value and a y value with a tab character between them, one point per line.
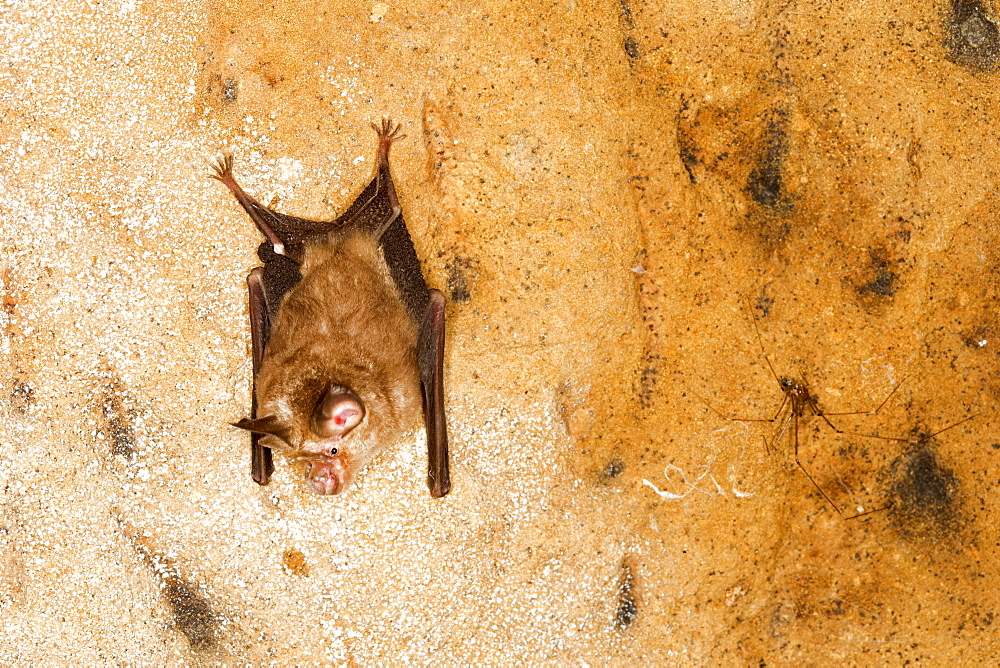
259	213
222	169
387	133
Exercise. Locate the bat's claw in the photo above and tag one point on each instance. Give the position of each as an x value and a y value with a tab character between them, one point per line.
389	131
222	168
387	134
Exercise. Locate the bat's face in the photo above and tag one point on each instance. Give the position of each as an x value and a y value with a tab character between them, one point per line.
328	454
332	440
332	429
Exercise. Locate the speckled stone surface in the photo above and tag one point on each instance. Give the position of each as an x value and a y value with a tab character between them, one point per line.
643	216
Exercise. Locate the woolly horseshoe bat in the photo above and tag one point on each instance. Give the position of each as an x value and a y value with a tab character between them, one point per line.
347	339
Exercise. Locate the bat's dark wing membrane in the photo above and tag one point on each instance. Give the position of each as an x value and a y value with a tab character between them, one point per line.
382	216
404	267
290	230
375	211
430	353
261	461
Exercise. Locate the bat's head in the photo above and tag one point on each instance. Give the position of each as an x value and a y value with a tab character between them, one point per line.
333	440
323	443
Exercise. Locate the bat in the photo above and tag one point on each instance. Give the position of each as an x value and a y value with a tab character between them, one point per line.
347	340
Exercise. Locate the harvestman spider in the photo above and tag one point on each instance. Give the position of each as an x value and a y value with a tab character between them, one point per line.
798	399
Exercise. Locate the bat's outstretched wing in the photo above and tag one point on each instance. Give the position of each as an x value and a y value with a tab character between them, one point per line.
375	211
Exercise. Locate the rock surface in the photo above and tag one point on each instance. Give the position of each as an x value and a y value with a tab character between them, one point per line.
643	216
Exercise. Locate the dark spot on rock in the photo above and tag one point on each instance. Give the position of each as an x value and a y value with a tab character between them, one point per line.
971	36
190	608
459	269
923	494
226	89
765	185
687	147
192	612
881	285
688	154
626	13
117	421
9	302
647	383
978	336
22	395
883	280
782	619
835	608
764	303
631	48
230	90
614	468
768	216
628	610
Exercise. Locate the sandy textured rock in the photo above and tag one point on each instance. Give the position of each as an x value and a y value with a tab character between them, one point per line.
616	198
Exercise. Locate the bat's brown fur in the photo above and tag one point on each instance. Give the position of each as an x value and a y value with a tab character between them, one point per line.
344	325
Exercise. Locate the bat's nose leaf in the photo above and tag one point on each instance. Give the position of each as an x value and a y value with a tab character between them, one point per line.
328	476
338	413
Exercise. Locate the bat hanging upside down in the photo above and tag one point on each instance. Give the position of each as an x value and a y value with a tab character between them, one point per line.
347	340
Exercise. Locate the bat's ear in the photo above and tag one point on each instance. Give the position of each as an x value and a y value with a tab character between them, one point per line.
277	434
339	412
269	424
